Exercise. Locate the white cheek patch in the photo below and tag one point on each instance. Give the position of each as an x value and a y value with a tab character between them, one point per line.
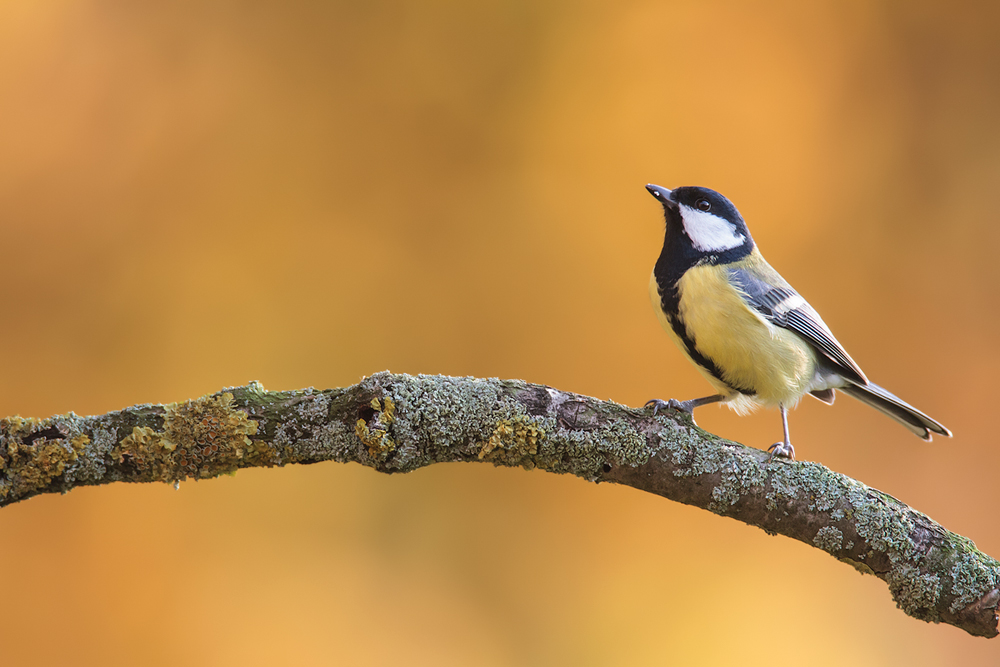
709	233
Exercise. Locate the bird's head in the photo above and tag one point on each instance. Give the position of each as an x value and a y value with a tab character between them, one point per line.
709	221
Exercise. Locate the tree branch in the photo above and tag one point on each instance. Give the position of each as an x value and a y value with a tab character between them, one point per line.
398	423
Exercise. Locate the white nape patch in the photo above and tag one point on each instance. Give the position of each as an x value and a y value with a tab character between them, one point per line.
709	233
791	303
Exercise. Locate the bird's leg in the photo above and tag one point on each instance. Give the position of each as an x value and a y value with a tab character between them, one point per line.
686	406
785	448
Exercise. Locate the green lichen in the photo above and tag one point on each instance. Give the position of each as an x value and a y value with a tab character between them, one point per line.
585	453
691	455
784	488
743	474
914	592
312	408
622	444
829	539
303	431
971	579
472	419
438	418
330	441
886	531
820	486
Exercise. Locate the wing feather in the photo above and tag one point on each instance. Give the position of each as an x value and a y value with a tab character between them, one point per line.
767	292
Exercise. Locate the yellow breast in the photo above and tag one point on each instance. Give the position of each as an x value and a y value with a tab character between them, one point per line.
748	351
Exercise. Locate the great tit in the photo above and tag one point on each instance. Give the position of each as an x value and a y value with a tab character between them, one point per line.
749	333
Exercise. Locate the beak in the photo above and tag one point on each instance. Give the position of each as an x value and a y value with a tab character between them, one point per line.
664	195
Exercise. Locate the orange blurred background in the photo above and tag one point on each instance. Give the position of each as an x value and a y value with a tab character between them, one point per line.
194	195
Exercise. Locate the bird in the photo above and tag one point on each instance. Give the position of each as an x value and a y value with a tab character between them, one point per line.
753	337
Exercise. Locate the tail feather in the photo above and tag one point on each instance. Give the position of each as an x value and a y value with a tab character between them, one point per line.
895	407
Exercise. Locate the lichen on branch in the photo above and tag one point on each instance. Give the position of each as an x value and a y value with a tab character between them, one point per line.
398	423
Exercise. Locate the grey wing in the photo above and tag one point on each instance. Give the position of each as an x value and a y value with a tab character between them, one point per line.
782	306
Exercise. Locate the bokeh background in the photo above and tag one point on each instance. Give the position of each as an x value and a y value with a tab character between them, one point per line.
198	194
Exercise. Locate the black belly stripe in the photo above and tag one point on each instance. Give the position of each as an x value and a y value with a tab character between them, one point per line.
670	303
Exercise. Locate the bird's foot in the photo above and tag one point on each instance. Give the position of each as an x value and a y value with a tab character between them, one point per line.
783	450
674	404
659	404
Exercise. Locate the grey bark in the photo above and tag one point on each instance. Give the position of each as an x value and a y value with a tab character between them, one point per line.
398	423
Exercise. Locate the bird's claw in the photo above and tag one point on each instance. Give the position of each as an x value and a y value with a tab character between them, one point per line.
659	404
673	404
784	450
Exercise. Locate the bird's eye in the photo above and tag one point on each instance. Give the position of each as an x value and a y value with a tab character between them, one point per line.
703	205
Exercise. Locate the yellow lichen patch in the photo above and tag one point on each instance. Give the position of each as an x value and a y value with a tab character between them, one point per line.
375	432
80	442
208	437
17	426
147	450
389	414
260	453
33	466
200	438
514	442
